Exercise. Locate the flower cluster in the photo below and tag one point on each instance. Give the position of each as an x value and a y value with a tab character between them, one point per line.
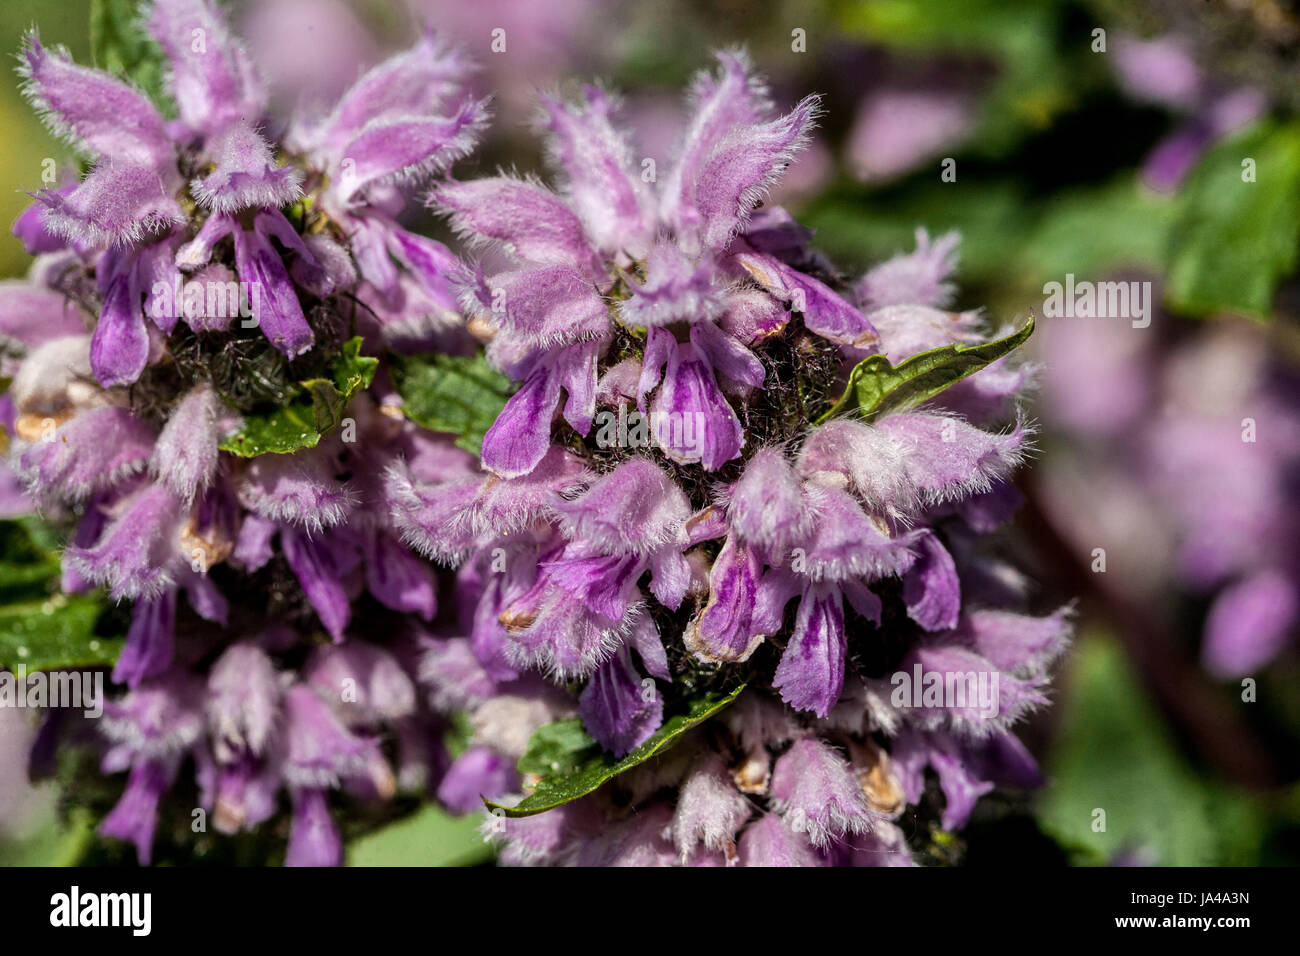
197	272
754	534
817	561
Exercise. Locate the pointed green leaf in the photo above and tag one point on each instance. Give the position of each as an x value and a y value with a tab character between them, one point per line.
53	633
877	387
317	411
582	769
452	393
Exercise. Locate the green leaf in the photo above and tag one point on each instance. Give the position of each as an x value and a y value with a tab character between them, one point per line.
556	748
1234	241
28	558
120	45
40	628
428	837
452	393
583	770
54	632
316	412
1094	229
1114	753
876	387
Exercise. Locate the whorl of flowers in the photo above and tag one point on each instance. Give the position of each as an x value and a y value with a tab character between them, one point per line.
744	539
736	534
122	394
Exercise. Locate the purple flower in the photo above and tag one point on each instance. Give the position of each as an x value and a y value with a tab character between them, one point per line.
866	525
606	250
129	193
966	770
155	511
710	810
313	840
150	730
916	278
621	709
396	125
405	119
1249	624
582	605
244	702
135	816
771	842
185	455
478	773
289	630
816	793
